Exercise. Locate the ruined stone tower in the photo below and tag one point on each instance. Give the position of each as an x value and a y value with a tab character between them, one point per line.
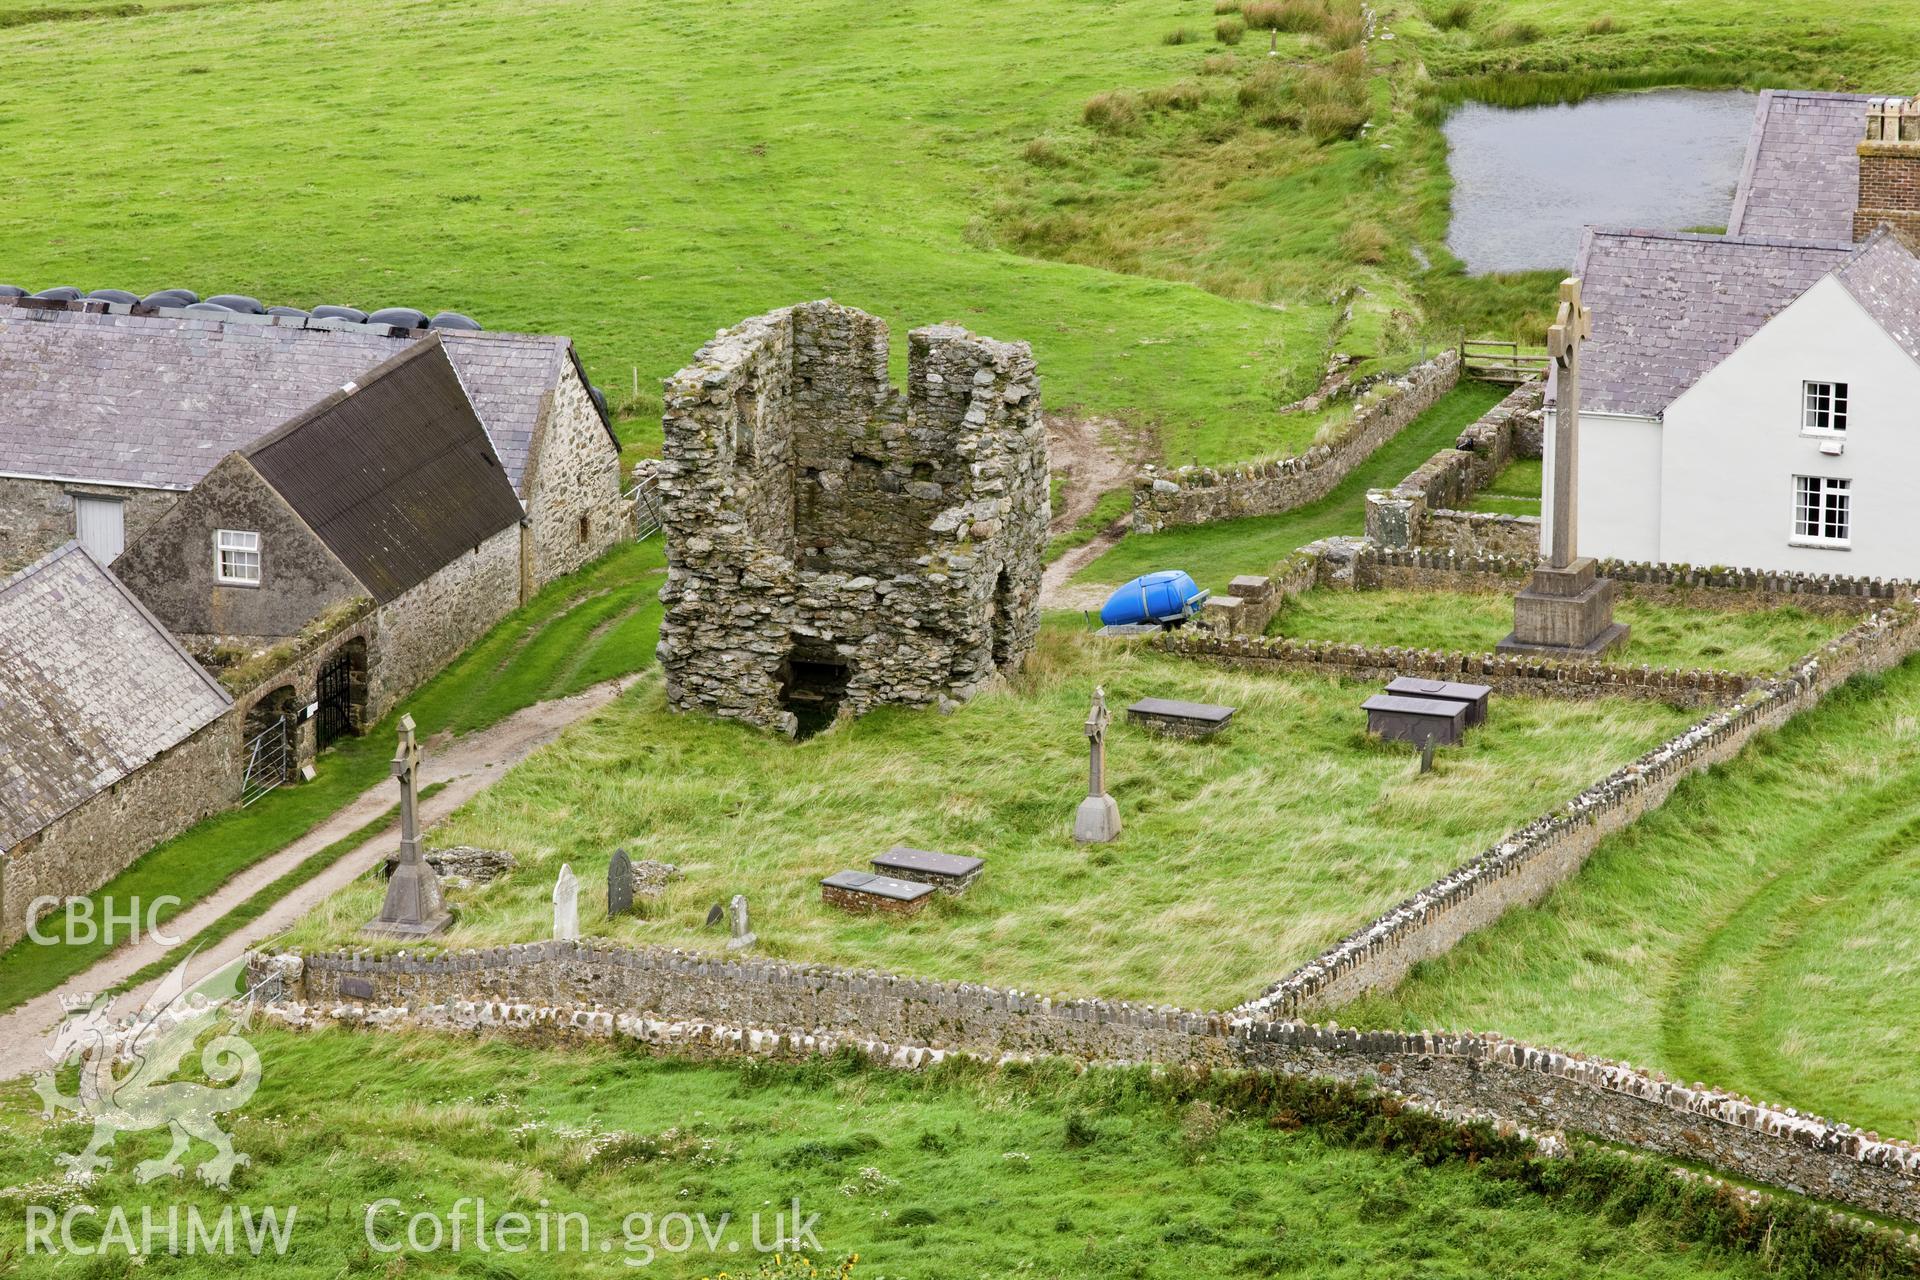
833	544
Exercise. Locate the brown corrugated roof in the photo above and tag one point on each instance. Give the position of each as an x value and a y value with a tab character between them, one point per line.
397	476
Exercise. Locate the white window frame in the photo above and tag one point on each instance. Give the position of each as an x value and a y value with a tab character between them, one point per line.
1816	500
1824	402
236	543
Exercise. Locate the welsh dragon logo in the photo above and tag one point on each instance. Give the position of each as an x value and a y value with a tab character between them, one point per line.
127	1067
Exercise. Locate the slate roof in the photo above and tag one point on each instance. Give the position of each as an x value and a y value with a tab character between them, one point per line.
1802	175
91	688
1884	278
397	476
156	400
1668	306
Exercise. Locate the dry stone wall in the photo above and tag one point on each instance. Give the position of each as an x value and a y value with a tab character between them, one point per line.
707	1008
834	543
1525	866
1424	510
1378	567
1505	673
1163	499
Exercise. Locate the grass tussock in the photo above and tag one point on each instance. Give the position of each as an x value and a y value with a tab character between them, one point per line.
740	812
1367	242
1115	111
1605	25
1180	35
1044	152
1229	31
1185	95
1226	6
1220	64
1507	35
1457	16
1334	97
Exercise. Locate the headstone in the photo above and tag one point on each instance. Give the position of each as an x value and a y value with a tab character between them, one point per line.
1175	719
619	884
741	935
865	893
1098	818
1566	610
414	907
566	906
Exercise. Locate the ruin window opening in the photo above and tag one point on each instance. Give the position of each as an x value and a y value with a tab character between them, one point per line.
1001	620
746	411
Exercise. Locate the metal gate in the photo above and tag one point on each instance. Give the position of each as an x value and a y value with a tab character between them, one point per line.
335	717
269	761
645	497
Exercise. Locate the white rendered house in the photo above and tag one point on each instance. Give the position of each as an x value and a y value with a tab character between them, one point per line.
1753	400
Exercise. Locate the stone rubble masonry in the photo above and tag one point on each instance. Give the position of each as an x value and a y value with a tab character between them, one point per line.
1529	863
36	516
1424	510
815	514
1684	585
574	476
1202	495
699	1007
1511	675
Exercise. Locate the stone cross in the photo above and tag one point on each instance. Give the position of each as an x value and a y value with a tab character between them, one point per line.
738	926
1572	326
1098	818
1096	730
414	906
566	905
619	884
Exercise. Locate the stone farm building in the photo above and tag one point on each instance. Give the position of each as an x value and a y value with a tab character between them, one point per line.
833	544
115	737
325	517
108	413
1746	398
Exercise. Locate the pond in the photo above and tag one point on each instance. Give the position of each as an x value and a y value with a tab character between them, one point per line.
1526	180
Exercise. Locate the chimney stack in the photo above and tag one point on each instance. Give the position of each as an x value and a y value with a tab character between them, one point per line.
1890	170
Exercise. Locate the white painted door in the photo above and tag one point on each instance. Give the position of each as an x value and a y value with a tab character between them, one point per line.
98	523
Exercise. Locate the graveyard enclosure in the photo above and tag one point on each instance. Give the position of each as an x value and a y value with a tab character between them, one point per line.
1241	853
834	544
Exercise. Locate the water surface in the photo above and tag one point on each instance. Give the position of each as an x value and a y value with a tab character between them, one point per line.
1526	180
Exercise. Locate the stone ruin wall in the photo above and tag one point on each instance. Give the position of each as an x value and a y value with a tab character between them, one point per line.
816	515
1163	499
699	1007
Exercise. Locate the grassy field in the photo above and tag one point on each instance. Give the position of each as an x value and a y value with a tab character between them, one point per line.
1514	492
961	1171
1756	932
593	626
638	174
1241	857
1214	553
1663	635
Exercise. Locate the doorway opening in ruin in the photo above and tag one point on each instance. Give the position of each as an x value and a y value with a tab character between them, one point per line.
343	694
1001	619
812	687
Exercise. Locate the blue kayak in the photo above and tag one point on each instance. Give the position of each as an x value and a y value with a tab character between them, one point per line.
1166	596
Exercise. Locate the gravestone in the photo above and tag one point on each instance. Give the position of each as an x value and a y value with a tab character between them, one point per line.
1173	718
619	884
740	931
1566	610
414	906
950	873
1098	818
865	893
566	905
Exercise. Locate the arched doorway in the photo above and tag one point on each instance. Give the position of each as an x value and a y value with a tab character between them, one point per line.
342	696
